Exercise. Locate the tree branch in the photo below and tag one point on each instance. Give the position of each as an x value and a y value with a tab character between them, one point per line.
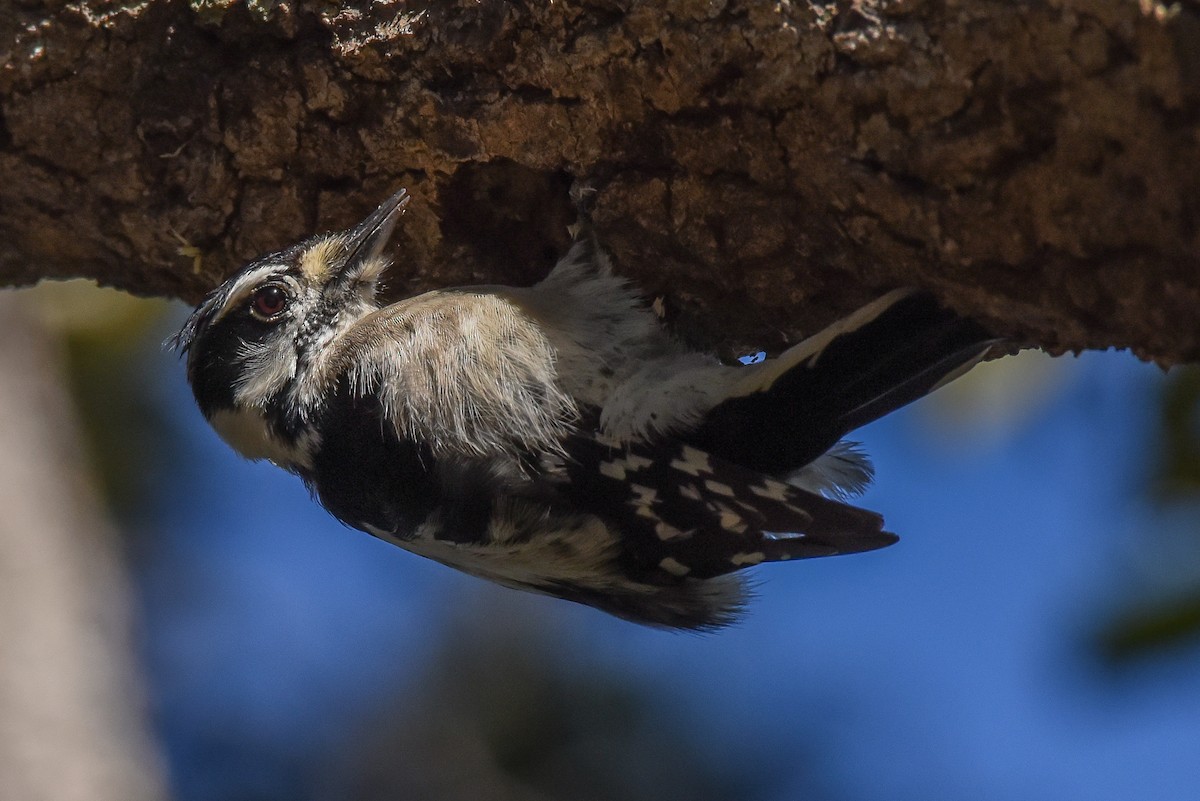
763	165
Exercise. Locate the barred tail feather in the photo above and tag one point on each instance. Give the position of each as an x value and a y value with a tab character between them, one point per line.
686	522
689	513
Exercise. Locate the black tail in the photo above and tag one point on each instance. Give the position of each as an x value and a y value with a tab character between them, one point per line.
704	515
886	355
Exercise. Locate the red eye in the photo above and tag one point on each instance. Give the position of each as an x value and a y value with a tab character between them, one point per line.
269	301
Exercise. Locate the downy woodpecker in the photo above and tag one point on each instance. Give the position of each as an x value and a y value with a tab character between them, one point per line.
556	438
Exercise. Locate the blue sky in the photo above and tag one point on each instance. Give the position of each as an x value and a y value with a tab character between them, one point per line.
955	664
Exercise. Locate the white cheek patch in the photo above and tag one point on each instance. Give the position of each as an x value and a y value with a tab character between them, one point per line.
267	372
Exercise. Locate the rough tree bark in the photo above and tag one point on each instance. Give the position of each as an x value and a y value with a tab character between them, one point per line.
762	165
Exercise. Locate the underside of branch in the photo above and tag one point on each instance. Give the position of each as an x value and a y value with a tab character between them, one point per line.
761	166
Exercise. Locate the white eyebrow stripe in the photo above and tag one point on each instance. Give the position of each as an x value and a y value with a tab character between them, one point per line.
243	287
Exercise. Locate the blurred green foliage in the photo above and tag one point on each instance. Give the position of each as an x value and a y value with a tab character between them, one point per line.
498	716
1146	628
1178	469
1162	613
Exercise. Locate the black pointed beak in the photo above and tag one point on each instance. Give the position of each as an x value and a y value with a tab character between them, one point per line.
367	240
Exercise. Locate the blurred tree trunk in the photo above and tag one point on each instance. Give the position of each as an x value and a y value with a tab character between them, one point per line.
72	719
763	164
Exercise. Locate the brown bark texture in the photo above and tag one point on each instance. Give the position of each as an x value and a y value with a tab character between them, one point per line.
760	165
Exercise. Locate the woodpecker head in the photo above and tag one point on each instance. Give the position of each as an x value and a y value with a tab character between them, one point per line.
255	339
